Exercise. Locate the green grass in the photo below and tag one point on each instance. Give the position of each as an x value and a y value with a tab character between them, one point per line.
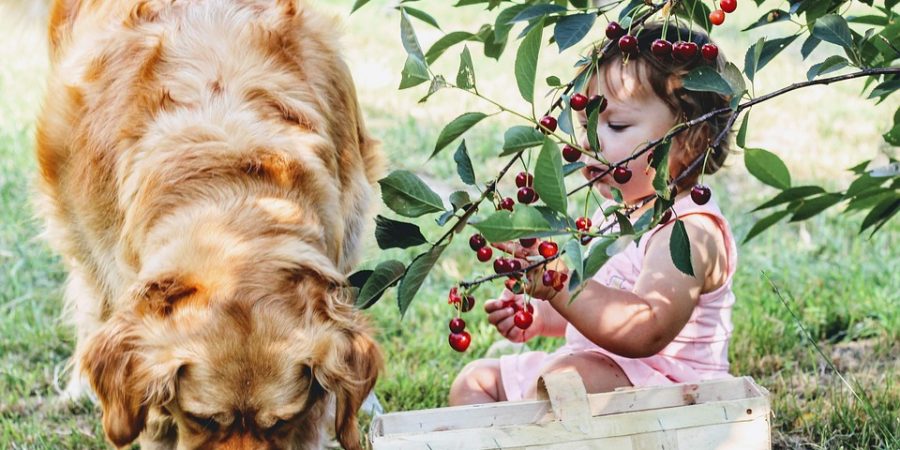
845	285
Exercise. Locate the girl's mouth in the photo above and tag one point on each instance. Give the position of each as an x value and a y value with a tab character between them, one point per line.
592	172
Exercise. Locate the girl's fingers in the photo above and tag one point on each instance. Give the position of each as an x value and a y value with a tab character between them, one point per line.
498	315
505	326
493	305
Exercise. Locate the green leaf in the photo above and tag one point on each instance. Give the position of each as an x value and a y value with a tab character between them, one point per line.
574	261
705	78
504	225
572	29
565	117
661	163
741	139
680	248
596	258
447	41
834	29
358	4
625	226
735	79
459	199
504	22
881	213
893	137
815	205
593	120
767	167
421	15
465	76
548	177
537	11
437	83
415	275
519	138
553	81
391	233
571	168
831	64
415	72
385	275
455	129
791	194
809	45
764	223
526	62
696	11
885	88
761	53
464	164
407	195
408	37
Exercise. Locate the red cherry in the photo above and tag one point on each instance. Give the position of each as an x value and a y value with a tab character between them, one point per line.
709	51
477	241
524	179
570	154
515	265
510	303
527	242
523	319
614	30
547	278
700	194
717	17
728	5
484	254
684	51
457	325
548	123
559	282
666	216
578	102
622	174
661	48
501	265
526	195
467	304
548	249
460	341
583	223
585	239
628	44
599	102
507	203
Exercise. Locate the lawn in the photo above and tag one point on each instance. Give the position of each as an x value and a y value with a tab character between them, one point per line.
844	285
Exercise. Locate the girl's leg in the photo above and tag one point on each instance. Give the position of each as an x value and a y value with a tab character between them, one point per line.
598	372
478	382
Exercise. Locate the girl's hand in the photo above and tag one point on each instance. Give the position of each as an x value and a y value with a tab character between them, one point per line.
536	287
501	312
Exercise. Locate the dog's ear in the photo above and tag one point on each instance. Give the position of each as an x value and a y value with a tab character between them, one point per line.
159	298
362	362
123	380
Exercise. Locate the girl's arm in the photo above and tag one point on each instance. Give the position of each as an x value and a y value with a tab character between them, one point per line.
641	322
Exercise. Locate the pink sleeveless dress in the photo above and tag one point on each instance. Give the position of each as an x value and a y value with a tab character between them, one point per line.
699	352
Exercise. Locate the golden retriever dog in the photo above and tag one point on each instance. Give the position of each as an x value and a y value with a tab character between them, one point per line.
206	175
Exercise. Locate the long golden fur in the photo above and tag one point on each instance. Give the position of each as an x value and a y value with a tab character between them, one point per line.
206	175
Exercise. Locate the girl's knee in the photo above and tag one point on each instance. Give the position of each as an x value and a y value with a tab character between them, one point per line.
479	380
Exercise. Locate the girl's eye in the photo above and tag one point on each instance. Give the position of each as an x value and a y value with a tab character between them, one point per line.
617	127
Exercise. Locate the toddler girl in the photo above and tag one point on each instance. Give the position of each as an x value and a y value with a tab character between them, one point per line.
639	321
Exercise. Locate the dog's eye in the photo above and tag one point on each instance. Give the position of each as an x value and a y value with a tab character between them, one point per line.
207	423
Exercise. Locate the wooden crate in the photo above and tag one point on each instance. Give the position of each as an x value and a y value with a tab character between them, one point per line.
720	414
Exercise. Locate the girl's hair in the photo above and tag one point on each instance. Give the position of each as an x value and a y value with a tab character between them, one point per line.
665	76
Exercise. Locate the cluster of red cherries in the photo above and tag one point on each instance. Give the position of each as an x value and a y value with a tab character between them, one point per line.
682	51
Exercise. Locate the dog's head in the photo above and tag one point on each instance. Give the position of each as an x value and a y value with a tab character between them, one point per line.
252	371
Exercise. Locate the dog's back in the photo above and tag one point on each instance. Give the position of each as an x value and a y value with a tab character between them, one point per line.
159	105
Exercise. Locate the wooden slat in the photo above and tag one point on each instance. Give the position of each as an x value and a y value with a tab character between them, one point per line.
528	412
605	427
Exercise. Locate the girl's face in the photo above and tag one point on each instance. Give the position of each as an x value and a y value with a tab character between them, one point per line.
633	117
